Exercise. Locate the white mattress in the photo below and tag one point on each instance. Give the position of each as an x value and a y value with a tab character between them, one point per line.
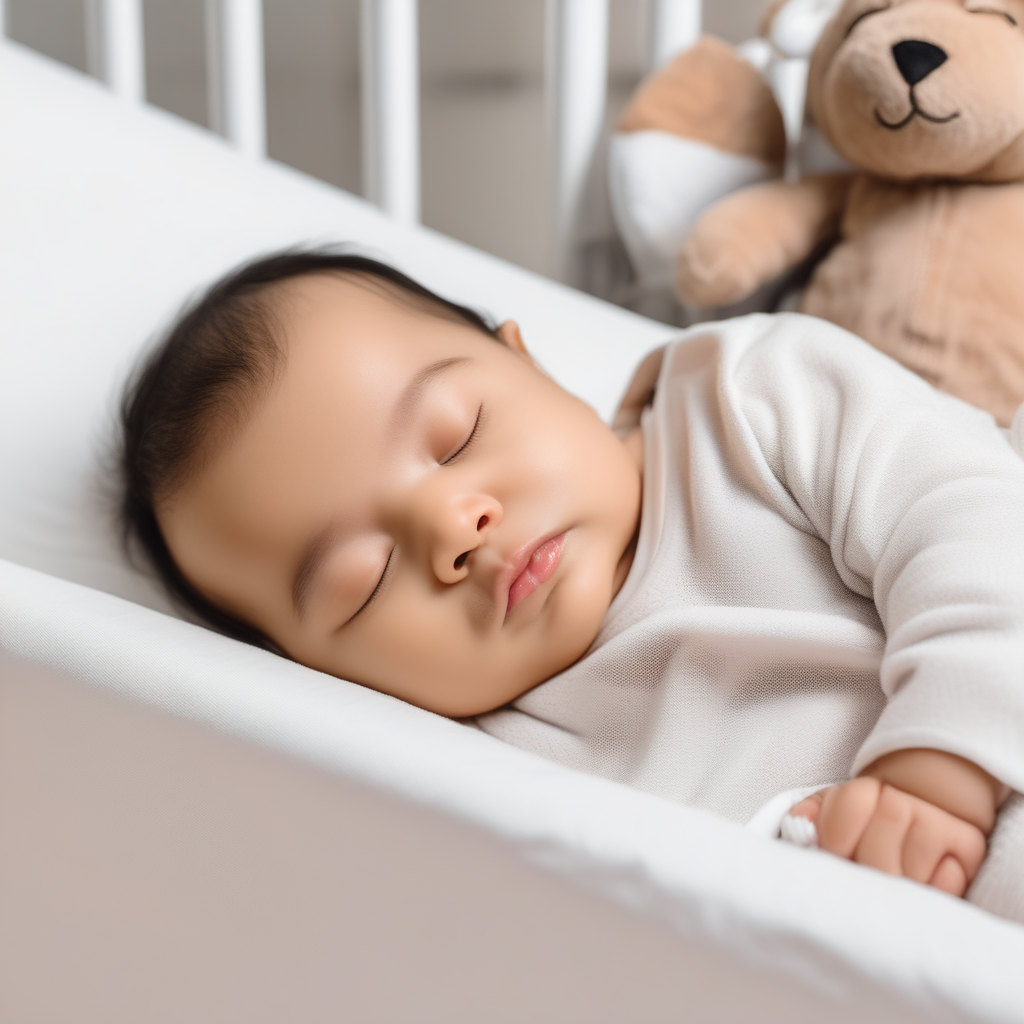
111	216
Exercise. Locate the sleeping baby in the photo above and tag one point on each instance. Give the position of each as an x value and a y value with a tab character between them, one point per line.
787	587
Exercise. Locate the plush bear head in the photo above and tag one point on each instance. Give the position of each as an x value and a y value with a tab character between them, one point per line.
924	88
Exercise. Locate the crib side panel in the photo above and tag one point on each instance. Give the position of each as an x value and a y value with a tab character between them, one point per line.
166	872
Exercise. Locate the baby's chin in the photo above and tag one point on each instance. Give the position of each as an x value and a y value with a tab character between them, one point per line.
570	637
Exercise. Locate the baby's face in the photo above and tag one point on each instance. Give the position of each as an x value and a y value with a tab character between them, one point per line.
414	506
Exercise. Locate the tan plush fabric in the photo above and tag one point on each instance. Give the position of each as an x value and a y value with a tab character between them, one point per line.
757	234
933	275
711	94
969	106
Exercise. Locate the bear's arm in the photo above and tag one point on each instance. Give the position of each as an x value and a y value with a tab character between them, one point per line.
756	234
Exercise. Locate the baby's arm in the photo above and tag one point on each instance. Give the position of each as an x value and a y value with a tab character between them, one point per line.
923	814
921	505
756	234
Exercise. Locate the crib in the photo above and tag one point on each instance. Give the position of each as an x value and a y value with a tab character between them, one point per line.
577	64
195	829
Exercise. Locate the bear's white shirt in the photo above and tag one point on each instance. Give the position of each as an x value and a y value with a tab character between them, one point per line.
830	567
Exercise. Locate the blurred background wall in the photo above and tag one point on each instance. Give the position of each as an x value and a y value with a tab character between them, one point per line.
482	62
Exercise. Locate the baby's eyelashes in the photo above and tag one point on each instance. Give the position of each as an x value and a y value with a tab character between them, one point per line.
467	443
381	583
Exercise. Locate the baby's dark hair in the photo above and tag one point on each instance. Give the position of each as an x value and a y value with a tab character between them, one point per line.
212	367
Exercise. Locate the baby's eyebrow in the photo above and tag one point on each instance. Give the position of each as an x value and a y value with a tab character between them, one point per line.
317	549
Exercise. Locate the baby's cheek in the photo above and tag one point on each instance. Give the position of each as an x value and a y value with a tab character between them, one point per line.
426	656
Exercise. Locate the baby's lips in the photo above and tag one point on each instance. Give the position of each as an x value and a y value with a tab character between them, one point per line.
538	570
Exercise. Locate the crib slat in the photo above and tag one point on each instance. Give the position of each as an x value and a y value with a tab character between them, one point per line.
236	80
116	47
389	60
577	90
672	26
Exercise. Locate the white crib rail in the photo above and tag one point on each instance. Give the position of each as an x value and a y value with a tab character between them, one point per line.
576	86
236	86
672	26
577	82
389	61
115	46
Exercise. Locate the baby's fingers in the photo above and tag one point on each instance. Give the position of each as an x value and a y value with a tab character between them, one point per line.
942	850
882	827
883	842
950	876
845	813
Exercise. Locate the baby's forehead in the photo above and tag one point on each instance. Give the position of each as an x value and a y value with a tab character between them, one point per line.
344	296
361	331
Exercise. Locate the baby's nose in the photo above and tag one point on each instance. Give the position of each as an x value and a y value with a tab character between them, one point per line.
917	59
463	529
481	524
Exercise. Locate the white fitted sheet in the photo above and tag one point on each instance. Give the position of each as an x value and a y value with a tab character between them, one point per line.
111	216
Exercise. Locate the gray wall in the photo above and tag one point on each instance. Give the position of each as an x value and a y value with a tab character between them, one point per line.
484	178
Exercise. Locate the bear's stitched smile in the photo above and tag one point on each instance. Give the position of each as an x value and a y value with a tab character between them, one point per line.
915	111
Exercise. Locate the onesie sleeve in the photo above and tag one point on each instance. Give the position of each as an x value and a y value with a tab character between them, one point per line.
920	499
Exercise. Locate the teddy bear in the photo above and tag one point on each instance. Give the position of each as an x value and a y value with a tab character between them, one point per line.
919	247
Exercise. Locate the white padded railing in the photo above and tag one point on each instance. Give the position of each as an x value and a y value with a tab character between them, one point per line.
576	84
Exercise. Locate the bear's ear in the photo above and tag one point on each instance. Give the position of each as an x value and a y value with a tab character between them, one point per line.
703	126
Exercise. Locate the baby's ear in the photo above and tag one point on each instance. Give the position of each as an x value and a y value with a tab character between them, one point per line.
511	335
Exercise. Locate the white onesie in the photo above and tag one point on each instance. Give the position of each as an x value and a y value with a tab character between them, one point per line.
830	567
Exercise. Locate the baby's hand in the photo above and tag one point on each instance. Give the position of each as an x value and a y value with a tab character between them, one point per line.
874	823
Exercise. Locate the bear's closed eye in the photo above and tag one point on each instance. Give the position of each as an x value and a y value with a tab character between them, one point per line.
992	10
866	14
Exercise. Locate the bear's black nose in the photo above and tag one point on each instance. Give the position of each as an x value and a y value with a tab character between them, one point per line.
917	59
